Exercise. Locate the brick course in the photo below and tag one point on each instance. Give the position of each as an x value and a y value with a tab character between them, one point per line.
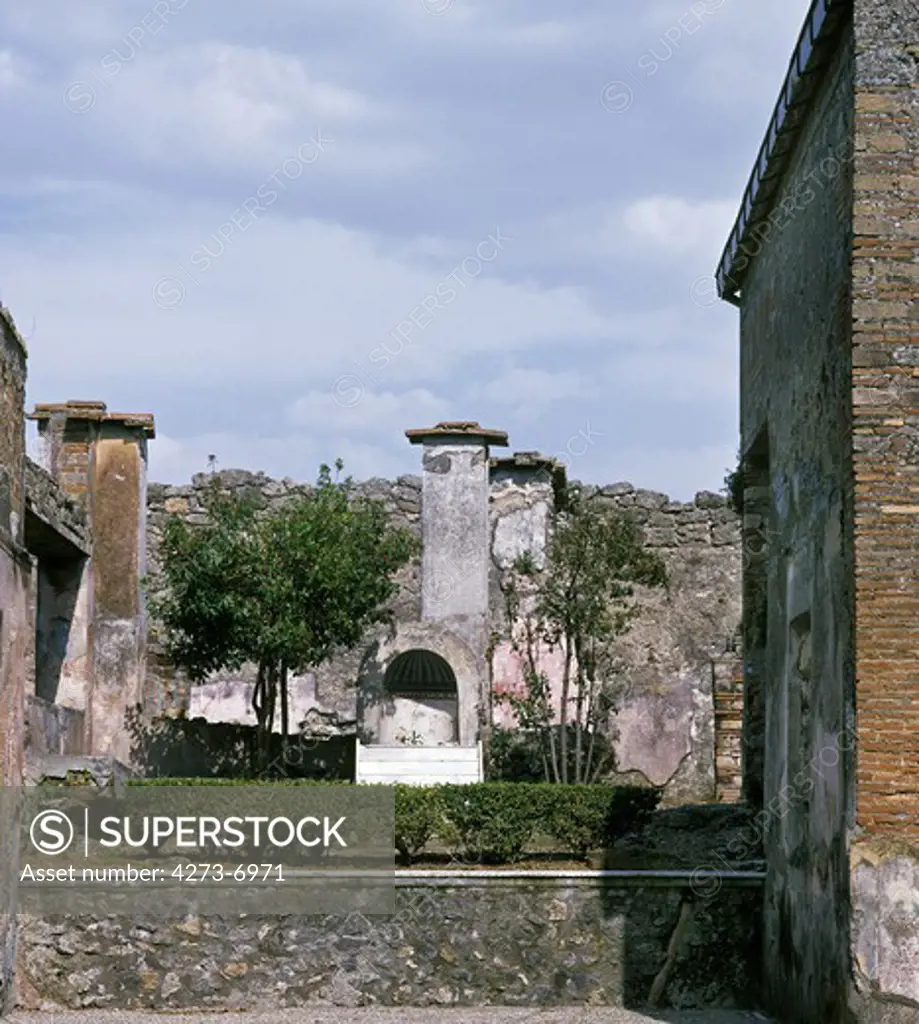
885	408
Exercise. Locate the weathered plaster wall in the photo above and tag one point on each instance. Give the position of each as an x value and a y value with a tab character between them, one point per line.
98	460
63	631
328	698
14	630
665	724
468	942
795	425
377	712
15	580
454	560
52	729
667	655
118	500
885	928
59	538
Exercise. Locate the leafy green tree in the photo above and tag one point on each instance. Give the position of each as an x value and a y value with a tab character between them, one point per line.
578	603
283	589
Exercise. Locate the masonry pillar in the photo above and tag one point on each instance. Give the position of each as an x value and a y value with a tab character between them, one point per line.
100	458
456	553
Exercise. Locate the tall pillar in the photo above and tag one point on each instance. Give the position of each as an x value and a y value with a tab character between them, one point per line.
100	458
456	556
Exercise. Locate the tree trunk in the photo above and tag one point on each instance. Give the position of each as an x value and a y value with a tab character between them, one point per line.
260	705
553	751
578	718
285	711
563	717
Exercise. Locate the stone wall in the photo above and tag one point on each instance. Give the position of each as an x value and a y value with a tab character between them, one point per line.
12	426
52	729
795	429
15	572
458	939
330	699
666	725
55	509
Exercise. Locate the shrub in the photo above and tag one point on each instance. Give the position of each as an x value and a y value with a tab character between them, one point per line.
630	807
418	815
515	756
490	822
487	822
585	818
577	817
208	781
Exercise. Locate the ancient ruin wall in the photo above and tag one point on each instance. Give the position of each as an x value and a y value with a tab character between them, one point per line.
795	427
885	398
666	719
14	624
527	942
885	429
667	722
332	697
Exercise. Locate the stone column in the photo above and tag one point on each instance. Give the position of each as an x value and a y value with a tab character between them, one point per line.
101	459
456	548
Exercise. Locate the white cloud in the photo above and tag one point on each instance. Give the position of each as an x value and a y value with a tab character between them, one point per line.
431	149
529	392
538	35
13	73
294	455
77	24
289	302
679	225
216	102
348	408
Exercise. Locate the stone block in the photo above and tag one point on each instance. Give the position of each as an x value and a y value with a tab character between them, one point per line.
650	499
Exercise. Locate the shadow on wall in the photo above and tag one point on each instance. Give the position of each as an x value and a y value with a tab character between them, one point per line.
195	748
696	943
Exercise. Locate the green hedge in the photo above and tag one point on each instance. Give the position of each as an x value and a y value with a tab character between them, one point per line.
494	822
207	781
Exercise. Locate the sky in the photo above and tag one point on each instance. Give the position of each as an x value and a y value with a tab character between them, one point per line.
292	230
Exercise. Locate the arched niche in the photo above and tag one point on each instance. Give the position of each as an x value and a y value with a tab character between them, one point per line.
423	707
421	686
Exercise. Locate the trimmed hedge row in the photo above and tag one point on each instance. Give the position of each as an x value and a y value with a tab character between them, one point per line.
494	822
209	781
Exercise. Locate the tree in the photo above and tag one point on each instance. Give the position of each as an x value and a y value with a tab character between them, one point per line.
578	603
283	589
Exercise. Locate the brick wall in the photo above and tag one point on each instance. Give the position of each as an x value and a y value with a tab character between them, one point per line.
728	693
885	400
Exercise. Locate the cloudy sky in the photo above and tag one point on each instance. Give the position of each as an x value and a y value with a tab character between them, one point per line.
292	230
